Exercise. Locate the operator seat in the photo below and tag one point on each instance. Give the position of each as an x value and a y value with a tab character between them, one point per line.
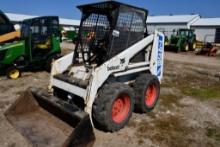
45	45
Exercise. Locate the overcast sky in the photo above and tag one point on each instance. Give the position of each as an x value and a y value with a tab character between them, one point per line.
67	8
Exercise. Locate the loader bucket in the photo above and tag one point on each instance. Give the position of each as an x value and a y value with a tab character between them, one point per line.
46	121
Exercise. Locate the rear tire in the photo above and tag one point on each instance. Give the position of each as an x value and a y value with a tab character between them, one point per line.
113	107
147	90
186	47
193	46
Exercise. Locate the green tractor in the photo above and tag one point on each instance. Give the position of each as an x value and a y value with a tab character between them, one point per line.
184	40
71	35
34	48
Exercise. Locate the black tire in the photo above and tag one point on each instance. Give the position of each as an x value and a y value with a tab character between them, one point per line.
12	69
103	113
193	45
141	85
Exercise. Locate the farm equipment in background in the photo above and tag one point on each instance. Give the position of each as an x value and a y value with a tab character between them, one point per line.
71	35
114	70
34	46
206	47
7	30
184	40
166	42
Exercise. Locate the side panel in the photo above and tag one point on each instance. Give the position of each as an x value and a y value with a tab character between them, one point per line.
13	51
55	45
157	56
59	66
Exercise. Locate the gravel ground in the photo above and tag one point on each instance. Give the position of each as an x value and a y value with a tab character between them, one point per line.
186	114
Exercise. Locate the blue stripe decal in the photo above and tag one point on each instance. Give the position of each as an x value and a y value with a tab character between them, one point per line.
160	56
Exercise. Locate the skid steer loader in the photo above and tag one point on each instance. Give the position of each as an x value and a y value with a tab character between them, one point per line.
114	70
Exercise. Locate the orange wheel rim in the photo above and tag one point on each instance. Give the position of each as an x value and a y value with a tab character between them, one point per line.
150	95
120	109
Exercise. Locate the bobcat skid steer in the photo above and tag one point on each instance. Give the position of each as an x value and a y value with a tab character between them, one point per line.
114	70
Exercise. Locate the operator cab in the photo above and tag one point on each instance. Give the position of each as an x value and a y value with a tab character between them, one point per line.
186	32
107	29
39	32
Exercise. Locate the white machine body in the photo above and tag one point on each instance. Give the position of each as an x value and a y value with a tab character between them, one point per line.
119	65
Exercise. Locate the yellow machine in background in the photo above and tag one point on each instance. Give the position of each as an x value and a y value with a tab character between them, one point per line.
10	36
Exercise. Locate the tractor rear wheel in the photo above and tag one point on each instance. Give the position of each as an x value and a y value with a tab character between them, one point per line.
194	45
186	47
113	107
13	73
147	90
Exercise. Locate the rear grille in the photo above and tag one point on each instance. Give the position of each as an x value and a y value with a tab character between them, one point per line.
2	54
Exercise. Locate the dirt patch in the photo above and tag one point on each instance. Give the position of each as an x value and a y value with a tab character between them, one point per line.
190	83
171	100
213	132
67	47
3	89
167	131
187	114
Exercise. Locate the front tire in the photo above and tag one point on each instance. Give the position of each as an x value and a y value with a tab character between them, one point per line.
113	107
13	73
147	90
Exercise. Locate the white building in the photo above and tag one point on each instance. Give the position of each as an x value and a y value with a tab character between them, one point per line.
207	29
65	23
170	23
